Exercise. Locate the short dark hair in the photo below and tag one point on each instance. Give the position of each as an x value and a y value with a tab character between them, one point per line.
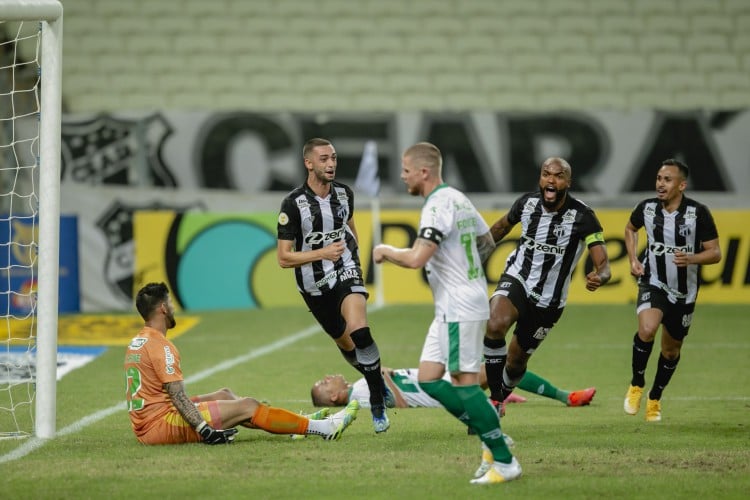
150	297
684	170
314	143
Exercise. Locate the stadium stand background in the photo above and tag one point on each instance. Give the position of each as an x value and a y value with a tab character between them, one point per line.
373	55
146	84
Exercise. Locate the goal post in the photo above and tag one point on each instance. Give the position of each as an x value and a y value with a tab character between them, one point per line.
49	15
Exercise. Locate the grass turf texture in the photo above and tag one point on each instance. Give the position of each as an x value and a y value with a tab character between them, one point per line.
701	449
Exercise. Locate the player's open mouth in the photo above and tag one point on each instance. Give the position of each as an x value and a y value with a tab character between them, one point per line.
550	193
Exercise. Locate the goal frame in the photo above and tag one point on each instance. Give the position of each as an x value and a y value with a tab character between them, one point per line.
50	14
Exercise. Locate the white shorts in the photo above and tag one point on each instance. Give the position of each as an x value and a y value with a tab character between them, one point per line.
457	346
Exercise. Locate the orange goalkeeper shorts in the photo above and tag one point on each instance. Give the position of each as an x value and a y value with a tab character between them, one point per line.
171	428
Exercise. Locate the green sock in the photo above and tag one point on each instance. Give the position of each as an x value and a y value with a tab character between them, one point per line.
483	419
444	392
532	382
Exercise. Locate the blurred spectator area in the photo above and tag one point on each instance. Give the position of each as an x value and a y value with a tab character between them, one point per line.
373	55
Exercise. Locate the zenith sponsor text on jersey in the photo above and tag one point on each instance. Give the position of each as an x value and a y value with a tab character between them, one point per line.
543	247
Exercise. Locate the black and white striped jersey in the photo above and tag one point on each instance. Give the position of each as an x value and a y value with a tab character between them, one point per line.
550	245
312	223
682	230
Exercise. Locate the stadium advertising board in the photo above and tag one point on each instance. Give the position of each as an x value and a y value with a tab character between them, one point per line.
220	260
613	153
19	238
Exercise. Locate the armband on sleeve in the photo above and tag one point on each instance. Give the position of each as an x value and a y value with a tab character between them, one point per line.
595	238
432	234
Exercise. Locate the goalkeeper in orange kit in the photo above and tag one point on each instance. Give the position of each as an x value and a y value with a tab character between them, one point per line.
162	413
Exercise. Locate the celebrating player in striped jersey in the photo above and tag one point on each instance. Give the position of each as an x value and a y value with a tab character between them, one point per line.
680	237
452	243
533	288
317	237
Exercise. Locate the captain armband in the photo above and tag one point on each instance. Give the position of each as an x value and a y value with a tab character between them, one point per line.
594	238
432	234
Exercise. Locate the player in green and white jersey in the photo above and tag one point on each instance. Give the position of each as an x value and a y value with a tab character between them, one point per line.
452	243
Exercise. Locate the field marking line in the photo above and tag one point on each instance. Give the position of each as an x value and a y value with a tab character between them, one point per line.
35	443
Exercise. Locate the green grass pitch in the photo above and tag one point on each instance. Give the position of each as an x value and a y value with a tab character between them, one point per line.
701	449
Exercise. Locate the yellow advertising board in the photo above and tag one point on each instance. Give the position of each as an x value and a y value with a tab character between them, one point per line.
726	282
215	260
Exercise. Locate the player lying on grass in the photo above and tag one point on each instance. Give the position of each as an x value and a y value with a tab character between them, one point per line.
335	390
162	413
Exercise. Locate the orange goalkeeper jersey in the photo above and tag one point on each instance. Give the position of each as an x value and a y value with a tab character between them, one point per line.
150	362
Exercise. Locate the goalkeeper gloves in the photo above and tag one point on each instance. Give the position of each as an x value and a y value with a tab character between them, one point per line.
215	436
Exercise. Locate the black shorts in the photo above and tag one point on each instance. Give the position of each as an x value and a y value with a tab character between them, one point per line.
534	322
327	307
676	317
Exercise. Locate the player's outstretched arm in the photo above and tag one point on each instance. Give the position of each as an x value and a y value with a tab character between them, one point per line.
501	228
412	258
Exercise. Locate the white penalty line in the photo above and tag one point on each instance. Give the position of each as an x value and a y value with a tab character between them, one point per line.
35	443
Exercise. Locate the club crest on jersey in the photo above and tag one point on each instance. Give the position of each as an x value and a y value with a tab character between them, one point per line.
684	230
342	212
559	230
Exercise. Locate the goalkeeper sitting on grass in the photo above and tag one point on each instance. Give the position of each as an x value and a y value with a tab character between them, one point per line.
335	390
162	413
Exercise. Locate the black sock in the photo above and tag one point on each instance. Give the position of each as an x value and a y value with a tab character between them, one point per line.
641	352
368	357
509	383
351	358
664	373
495	354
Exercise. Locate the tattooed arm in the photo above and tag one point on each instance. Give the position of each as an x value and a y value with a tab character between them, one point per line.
501	228
181	401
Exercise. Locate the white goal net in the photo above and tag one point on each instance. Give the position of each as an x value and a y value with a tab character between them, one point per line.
30	57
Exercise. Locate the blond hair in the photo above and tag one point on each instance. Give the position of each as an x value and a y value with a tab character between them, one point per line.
425	154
